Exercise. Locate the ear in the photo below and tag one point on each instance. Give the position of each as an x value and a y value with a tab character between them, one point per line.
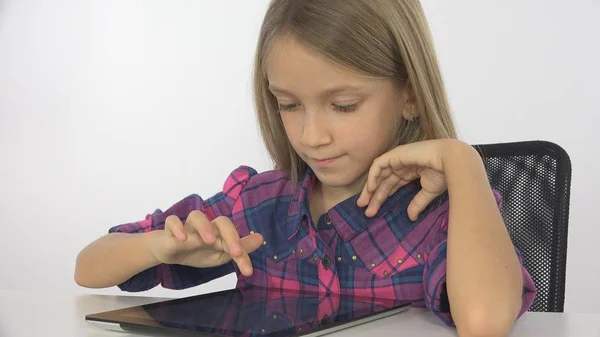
408	102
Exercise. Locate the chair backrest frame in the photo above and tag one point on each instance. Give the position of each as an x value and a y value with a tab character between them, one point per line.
538	174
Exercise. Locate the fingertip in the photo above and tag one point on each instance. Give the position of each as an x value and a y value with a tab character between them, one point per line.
413	216
247	271
181	236
370	212
208	237
364	199
255	239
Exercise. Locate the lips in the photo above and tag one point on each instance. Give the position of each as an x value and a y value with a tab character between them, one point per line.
325	158
325	161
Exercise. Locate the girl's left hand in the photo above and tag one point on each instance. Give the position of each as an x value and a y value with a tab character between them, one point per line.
402	165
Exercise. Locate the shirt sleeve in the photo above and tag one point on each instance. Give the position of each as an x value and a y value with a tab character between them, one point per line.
434	276
178	276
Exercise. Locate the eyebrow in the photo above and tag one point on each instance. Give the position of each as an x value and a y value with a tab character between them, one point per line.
328	92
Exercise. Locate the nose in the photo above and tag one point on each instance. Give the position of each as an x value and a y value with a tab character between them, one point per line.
315	131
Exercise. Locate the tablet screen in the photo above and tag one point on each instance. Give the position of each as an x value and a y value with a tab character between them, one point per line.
252	312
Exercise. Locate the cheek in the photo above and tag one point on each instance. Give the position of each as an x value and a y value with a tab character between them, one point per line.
373	135
292	127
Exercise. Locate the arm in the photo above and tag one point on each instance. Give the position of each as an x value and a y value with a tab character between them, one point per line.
113	259
124	256
484	277
472	275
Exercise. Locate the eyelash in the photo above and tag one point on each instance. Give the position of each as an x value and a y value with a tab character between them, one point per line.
340	108
345	108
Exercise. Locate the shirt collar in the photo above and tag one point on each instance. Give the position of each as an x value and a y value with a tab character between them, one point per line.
346	216
300	205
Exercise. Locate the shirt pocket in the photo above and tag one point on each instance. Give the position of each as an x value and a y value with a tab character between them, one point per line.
289	265
377	251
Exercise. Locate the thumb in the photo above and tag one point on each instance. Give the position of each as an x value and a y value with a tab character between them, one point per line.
419	203
252	242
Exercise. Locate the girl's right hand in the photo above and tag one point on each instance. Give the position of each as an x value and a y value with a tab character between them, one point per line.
202	243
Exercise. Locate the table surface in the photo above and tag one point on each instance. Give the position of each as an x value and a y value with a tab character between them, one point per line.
32	314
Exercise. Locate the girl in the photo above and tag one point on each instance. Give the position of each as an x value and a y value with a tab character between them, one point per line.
353	111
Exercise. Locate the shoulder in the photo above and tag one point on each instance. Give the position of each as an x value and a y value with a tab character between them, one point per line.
245	181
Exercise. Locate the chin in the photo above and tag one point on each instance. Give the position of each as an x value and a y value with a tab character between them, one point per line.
338	179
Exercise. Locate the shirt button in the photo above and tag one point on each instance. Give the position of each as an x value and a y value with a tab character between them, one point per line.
326	262
327	220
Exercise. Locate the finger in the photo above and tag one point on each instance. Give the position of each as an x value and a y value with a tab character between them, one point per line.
419	203
381	194
197	222
249	244
174	227
399	185
375	172
366	194
363	199
232	244
252	242
231	238
369	189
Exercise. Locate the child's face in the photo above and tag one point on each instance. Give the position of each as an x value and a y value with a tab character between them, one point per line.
337	121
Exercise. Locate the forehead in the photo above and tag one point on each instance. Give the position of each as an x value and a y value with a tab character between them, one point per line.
291	64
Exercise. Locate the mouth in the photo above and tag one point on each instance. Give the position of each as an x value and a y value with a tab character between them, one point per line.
324	162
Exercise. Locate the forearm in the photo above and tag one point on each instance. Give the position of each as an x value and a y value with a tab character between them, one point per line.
484	277
113	259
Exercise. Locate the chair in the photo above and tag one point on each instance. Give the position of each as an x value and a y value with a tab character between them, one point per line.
534	179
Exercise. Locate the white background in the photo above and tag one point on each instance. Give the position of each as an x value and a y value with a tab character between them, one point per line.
112	108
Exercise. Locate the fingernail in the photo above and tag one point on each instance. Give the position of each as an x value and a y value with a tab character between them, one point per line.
180	236
247	270
208	236
236	249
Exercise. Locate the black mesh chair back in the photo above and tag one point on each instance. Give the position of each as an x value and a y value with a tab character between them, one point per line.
534	179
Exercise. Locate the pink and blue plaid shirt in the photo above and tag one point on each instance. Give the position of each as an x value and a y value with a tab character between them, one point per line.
385	256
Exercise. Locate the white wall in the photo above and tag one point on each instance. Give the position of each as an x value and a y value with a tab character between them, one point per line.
110	109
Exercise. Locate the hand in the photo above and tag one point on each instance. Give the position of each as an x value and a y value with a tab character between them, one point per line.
202	243
402	165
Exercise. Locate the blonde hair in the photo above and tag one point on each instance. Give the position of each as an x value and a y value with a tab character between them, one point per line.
381	38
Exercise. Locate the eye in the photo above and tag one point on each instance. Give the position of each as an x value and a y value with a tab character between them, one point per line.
288	107
345	108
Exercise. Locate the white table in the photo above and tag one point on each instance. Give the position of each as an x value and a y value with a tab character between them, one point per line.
33	314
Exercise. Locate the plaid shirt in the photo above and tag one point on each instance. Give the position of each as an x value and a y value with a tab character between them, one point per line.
385	256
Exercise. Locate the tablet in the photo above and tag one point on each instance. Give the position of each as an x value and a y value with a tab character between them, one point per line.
249	312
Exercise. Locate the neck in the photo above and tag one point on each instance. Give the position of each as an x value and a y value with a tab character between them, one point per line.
329	196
